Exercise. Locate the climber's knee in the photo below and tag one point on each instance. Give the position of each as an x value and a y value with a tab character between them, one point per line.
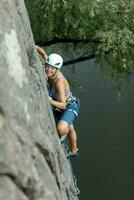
62	127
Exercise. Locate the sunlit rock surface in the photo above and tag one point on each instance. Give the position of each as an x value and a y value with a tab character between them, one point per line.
33	165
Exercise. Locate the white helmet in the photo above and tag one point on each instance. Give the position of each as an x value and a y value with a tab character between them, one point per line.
55	60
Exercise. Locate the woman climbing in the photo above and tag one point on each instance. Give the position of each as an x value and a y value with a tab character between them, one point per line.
65	105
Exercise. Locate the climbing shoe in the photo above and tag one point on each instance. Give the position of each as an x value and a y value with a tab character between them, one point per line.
63	138
71	154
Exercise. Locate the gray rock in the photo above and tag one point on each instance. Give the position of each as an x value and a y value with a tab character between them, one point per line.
9	190
32	161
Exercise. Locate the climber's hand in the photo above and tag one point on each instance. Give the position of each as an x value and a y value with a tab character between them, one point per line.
50	99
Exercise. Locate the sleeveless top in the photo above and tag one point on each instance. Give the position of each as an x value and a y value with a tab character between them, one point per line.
53	92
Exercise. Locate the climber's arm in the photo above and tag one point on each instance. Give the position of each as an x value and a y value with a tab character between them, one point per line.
42	52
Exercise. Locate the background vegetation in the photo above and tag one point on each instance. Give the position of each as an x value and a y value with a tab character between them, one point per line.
109	24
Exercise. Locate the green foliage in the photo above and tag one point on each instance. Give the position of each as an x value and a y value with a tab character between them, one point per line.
110	22
117	37
41	18
60	18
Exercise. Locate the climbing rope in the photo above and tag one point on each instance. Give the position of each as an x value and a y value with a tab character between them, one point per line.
66	148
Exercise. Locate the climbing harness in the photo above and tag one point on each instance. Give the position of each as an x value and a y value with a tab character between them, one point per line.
70	100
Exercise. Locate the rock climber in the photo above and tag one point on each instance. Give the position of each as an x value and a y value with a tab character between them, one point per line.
65	106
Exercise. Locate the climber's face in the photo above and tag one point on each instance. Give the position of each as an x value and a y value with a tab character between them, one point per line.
50	70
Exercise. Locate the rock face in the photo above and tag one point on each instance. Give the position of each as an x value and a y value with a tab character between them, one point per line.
33	165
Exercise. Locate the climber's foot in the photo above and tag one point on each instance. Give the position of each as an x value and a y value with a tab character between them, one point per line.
72	154
63	138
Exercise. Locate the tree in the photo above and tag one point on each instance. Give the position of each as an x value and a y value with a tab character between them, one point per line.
108	22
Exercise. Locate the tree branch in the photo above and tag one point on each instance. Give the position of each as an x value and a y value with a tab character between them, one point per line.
66	40
79	59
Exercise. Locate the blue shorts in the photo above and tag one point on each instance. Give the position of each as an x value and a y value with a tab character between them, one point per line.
69	114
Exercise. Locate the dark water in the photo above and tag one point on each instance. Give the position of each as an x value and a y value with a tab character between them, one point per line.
105	128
